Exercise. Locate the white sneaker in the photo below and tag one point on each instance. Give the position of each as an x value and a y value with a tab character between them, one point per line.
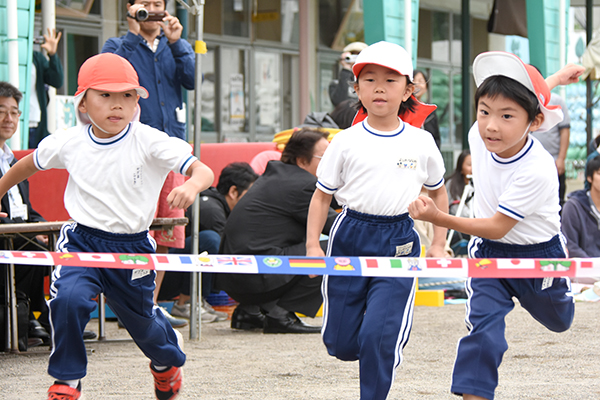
221	316
175	322
181	311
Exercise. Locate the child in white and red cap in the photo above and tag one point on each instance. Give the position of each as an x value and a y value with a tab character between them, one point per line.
516	210
375	169
116	167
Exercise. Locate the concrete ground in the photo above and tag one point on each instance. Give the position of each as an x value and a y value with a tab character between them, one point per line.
228	364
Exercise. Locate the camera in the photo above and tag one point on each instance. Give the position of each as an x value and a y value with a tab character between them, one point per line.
351	58
39	40
143	15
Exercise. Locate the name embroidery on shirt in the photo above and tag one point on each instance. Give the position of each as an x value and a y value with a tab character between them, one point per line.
407	163
137	176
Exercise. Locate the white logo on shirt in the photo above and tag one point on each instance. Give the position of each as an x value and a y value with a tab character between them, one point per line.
407	163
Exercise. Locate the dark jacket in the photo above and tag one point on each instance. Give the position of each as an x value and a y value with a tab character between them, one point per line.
432	126
48	72
270	220
33	216
581	226
342	88
214	212
163	74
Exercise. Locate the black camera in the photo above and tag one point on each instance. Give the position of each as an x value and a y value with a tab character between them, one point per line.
143	15
39	40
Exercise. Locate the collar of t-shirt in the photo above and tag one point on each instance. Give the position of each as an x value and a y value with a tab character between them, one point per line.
154	45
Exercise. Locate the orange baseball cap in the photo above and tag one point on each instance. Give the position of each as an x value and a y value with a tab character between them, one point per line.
108	72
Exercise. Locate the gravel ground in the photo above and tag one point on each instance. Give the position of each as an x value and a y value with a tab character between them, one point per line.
228	364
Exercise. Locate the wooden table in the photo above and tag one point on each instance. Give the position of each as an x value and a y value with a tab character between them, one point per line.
26	231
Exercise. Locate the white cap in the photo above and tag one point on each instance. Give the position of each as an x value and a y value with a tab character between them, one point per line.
386	54
501	63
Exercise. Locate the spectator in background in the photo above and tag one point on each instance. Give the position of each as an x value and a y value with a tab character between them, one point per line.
271	220
215	206
580	216
431	124
165	64
556	142
343	87
45	71
455	184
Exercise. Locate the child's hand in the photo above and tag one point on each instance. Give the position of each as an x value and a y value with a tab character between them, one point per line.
181	197
568	74
423	208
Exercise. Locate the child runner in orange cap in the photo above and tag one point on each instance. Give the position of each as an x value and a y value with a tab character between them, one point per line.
516	212
116	167
375	169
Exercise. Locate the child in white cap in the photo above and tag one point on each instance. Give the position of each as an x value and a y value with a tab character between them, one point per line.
375	169
516	210
116	167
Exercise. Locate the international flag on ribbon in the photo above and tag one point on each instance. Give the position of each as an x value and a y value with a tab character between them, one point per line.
307	263
396	263
99	257
234	260
371	263
27	257
444	263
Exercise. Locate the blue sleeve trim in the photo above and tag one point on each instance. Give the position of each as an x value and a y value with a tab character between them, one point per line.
511	211
185	166
36	161
436	185
326	188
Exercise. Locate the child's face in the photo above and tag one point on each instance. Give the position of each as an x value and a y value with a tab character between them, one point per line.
109	111
381	91
503	124
594	181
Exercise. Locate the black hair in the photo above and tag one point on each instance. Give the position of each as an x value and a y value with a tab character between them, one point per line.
343	114
302	145
499	85
410	105
425	76
457	177
592	166
238	174
8	90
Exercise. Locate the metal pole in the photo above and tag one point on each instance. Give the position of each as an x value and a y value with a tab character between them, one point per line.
12	36
49	22
466	76
589	24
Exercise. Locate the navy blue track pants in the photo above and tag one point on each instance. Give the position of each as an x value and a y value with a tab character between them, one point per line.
548	300
369	319
129	294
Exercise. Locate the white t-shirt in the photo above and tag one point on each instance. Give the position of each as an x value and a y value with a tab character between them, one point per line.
523	187
114	183
380	173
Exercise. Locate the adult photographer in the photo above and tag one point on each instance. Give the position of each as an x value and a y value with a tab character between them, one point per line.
165	64
342	88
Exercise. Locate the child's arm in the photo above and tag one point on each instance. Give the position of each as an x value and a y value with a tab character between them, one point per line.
317	216
201	177
493	228
438	243
568	74
22	170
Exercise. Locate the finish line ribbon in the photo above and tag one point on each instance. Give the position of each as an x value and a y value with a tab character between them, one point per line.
297	265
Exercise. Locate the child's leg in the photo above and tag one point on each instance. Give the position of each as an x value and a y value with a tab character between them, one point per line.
552	306
480	353
383	334
131	299
344	303
72	291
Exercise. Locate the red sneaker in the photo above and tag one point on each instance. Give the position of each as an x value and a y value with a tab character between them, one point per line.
60	391
167	383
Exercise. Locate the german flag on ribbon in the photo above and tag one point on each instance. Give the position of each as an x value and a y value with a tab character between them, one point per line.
307	263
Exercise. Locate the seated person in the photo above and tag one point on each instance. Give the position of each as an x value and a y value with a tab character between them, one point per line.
271	220
215	206
580	221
